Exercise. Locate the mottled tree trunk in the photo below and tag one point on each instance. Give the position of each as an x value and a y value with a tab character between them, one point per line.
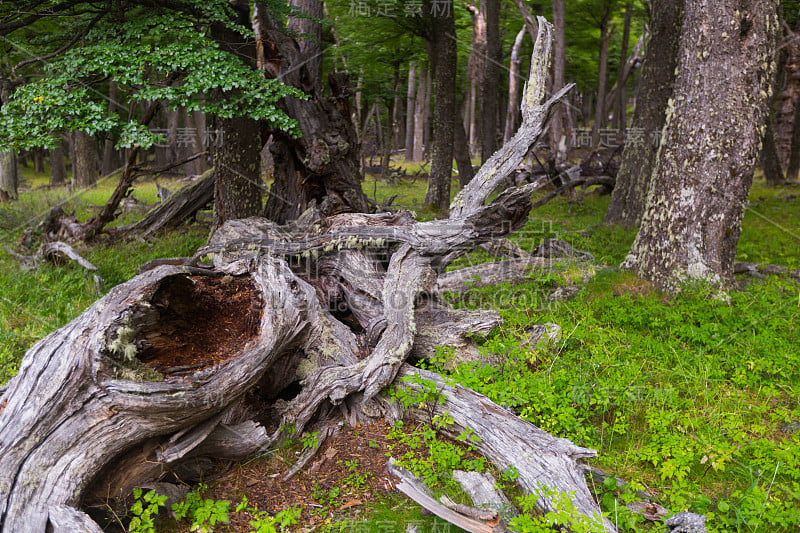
461	153
237	165
199	141
444	111
655	88
84	159
410	106
692	219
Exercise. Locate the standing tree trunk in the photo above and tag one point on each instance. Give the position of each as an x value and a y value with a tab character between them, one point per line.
8	160
309	39
461	153
110	155
619	114
512	113
237	166
84	159
58	169
198	119
419	116
692	220
600	116
8	176
489	89
410	107
558	147
322	165
444	112
655	88
793	168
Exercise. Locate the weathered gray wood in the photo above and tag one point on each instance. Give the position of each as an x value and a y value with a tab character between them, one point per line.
86	419
174	209
62	250
415	490
507	440
481	490
64	519
535	111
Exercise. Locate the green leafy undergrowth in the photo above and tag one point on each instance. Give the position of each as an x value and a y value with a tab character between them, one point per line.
688	395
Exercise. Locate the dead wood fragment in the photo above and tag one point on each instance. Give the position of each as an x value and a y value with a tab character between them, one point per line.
58	250
417	491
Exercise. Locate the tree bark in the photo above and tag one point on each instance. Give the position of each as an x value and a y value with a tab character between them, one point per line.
85	159
237	166
309	39
655	88
110	155
620	113
444	111
419	116
461	153
559	147
322	165
410	108
793	170
58	169
692	220
512	113
490	80
600	116
9	179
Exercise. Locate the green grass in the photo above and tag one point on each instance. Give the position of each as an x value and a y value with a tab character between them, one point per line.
685	396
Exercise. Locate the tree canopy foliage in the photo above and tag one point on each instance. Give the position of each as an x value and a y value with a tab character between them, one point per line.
166	53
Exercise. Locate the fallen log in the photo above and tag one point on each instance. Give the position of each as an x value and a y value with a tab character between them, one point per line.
173	211
187	362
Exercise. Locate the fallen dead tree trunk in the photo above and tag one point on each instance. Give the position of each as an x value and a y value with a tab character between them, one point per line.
179	207
187	362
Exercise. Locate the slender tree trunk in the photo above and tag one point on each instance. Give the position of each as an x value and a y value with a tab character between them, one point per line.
655	88
600	116
237	164
444	112
770	160
85	159
461	153
410	110
793	169
111	160
198	120
58	170
623	58
419	116
512	114
172	150
389	137
692	220
426	116
38	161
558	147
490	80
475	70
8	161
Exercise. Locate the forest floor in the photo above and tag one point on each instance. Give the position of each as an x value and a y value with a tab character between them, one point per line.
690	398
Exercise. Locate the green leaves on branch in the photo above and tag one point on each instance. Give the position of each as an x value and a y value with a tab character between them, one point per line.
150	58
